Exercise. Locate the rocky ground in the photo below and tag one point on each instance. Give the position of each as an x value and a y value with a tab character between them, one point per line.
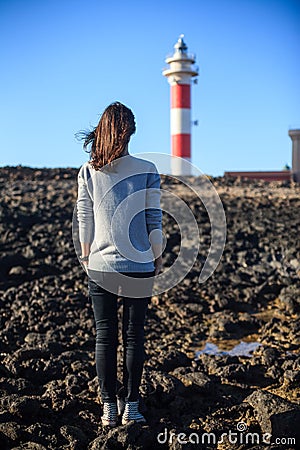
49	391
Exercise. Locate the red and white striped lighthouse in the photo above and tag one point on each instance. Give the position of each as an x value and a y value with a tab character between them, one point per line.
179	75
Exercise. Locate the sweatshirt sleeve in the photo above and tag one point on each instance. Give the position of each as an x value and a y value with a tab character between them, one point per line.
85	212
153	209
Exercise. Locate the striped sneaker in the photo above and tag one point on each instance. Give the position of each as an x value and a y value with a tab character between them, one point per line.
109	417
131	412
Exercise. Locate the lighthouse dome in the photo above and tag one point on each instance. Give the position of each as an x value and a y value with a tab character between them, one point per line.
180	45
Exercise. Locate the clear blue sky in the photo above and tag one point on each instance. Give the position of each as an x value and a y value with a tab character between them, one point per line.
64	61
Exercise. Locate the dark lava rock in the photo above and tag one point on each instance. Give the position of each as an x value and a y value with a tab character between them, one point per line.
275	415
49	391
230	325
174	358
270	356
165	389
133	435
74	435
196	381
30	446
292	378
290	298
25	407
212	363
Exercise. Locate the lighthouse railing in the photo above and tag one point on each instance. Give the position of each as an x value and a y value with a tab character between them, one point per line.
187	55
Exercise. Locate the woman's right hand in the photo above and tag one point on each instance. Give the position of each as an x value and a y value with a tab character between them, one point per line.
158	265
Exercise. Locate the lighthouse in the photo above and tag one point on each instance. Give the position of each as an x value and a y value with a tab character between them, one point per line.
180	72
295	136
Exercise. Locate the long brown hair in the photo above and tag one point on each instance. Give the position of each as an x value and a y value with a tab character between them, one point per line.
110	137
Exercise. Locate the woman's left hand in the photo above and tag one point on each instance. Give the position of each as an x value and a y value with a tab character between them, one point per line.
85	265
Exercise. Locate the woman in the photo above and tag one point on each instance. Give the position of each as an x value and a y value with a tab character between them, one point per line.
119	215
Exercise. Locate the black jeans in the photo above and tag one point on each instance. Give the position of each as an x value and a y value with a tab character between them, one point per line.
104	305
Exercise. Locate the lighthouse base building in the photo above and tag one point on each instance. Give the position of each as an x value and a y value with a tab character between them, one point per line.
277	175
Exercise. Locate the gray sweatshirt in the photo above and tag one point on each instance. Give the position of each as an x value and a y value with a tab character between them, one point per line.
119	214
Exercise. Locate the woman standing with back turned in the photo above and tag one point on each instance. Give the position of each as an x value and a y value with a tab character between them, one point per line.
120	222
